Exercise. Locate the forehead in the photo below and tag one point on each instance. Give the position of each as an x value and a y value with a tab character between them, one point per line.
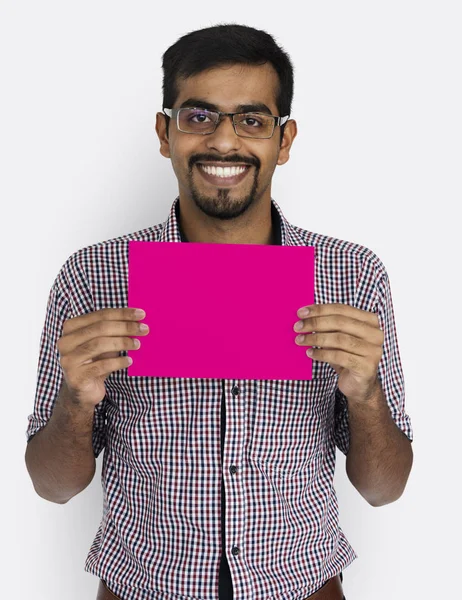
228	86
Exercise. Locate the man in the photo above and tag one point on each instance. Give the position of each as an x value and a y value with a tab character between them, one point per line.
255	516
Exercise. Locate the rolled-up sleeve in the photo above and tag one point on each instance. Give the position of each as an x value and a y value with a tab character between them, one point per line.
49	371
390	372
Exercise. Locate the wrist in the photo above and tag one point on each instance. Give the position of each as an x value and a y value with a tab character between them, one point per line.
373	396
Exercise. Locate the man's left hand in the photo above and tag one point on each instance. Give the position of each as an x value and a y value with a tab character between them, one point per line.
350	340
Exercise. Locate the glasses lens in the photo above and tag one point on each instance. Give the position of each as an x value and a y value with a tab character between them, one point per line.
196	120
254	125
202	121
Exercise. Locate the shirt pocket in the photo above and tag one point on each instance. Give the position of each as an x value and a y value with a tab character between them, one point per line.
288	427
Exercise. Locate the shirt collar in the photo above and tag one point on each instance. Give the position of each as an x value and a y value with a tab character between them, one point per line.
285	234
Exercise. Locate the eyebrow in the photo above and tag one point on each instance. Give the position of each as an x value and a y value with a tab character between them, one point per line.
252	107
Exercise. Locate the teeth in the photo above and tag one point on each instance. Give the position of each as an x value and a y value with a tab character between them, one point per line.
223	171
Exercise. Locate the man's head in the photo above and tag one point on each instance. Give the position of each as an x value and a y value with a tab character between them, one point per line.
227	68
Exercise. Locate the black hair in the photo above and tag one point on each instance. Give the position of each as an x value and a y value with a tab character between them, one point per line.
226	44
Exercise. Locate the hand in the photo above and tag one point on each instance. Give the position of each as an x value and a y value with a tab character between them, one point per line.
351	341
86	341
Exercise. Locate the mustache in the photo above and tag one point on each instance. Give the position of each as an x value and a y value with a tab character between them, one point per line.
197	158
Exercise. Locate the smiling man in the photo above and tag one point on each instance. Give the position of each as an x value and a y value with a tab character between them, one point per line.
224	171
221	489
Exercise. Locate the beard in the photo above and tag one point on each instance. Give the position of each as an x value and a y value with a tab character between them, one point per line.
220	205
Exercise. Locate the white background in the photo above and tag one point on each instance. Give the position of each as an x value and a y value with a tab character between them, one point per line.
377	161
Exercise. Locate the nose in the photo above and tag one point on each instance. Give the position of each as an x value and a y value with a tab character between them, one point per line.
224	139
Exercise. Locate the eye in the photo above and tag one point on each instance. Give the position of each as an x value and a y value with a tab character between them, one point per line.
199	116
252	121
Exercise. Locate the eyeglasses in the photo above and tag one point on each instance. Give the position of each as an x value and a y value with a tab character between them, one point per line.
204	122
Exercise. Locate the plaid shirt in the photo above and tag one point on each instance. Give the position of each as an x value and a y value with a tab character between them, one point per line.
163	472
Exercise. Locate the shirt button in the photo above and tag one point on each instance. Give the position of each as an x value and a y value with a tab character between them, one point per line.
235	391
235	550
232	469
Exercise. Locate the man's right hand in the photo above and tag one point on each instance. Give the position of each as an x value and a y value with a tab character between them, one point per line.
89	350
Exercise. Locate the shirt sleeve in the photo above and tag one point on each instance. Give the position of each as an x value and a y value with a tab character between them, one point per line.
390	372
49	371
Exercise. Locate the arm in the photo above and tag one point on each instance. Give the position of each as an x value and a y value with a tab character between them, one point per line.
380	456
60	458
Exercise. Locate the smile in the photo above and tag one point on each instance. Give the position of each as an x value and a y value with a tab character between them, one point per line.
223	171
223	175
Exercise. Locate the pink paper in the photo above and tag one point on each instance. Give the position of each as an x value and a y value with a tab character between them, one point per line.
220	311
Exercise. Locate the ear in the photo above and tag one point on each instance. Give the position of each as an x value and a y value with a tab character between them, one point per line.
161	129
290	132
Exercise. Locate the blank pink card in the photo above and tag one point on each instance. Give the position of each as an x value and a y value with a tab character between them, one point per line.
220	311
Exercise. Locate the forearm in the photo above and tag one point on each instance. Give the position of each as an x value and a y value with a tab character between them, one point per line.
380	456
60	458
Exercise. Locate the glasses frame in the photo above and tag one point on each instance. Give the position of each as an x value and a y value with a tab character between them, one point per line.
174	113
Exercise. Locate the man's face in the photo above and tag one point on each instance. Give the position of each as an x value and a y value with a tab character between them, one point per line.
227	89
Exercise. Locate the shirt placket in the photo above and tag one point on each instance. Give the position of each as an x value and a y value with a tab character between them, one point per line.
234	416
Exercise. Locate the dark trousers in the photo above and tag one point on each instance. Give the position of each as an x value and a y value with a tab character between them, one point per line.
225	587
341	579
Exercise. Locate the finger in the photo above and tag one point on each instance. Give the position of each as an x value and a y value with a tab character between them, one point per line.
91	351
106	314
340	341
102	357
340	323
357	365
321	310
83	336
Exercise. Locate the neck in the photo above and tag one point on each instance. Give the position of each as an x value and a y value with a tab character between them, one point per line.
254	226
